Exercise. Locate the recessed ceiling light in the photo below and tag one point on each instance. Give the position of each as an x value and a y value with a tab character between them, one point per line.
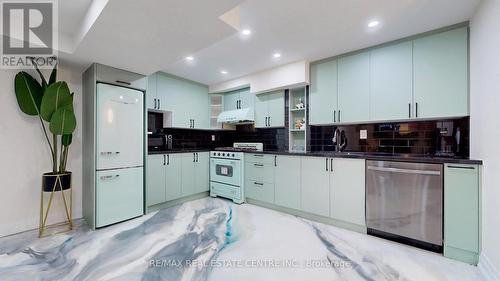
277	55
373	23
246	31
189	58
223	72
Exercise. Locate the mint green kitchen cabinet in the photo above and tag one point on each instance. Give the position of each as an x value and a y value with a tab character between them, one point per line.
194	173
173	182
323	105
440	74
231	100
201	167
186	101
461	212
238	99
163	182
354	88
391	79
155	179
287	179
270	109
347	191
315	190
259	177
151	101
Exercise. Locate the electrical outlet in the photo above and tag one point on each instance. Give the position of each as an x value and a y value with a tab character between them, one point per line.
213	137
363	134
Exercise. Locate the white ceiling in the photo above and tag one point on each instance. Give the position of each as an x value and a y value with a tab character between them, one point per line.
151	35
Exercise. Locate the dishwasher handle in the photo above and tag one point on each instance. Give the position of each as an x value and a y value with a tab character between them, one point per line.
404	171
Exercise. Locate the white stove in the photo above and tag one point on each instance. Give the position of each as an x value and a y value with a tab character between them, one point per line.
227	171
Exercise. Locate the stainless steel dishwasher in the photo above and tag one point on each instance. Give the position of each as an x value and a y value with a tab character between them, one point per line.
404	202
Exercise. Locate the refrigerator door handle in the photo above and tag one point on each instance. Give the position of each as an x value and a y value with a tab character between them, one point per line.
109	177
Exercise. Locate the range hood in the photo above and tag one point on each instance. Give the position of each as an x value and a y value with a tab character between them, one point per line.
238	116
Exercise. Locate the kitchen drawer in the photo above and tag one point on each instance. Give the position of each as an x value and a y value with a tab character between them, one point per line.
261	191
225	190
259	158
259	172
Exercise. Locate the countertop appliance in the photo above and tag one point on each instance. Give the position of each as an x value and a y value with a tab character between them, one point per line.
157	142
227	171
113	145
339	140
404	203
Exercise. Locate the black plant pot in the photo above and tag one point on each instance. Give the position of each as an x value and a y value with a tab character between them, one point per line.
50	179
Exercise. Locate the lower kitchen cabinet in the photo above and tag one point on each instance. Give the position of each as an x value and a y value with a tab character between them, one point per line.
172	176
194	173
155	179
262	191
287	181
461	212
315	197
172	180
347	191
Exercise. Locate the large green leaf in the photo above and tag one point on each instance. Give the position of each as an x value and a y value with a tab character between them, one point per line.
55	97
67	140
29	93
53	75
63	121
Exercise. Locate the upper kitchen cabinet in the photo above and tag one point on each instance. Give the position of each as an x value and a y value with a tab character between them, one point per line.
238	99
187	101
151	100
391	82
270	109
354	88
323	93
440	74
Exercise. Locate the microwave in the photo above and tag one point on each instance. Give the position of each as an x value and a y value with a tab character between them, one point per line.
157	142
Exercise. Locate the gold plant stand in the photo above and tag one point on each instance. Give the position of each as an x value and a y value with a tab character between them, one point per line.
56	187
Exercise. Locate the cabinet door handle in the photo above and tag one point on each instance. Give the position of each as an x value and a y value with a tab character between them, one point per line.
164	160
123	82
462	167
197	157
193	124
331	165
194	157
159	103
275	160
339	115
334	116
258	165
409	110
258	183
326	164
155	103
269	121
168	159
416	109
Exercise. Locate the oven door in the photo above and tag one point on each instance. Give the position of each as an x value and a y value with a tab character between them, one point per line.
225	171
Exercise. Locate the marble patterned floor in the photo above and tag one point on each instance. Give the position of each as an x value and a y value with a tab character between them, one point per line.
214	239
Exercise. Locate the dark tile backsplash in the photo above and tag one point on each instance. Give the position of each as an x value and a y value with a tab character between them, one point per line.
416	137
272	138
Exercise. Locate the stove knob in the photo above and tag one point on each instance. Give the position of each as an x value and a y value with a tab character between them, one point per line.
223	154
233	154
218	154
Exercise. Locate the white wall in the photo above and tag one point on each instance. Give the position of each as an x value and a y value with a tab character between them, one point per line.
24	156
485	133
291	75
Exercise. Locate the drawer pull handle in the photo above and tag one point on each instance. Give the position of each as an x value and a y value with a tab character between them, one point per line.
110	152
110	177
258	155
258	165
123	82
462	167
258	183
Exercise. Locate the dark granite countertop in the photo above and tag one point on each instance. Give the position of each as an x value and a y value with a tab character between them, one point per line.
354	155
174	151
379	157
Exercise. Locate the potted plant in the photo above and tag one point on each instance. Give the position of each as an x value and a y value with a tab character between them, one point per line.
52	103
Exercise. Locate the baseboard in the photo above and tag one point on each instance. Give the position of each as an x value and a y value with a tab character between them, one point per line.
487	269
172	203
313	217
